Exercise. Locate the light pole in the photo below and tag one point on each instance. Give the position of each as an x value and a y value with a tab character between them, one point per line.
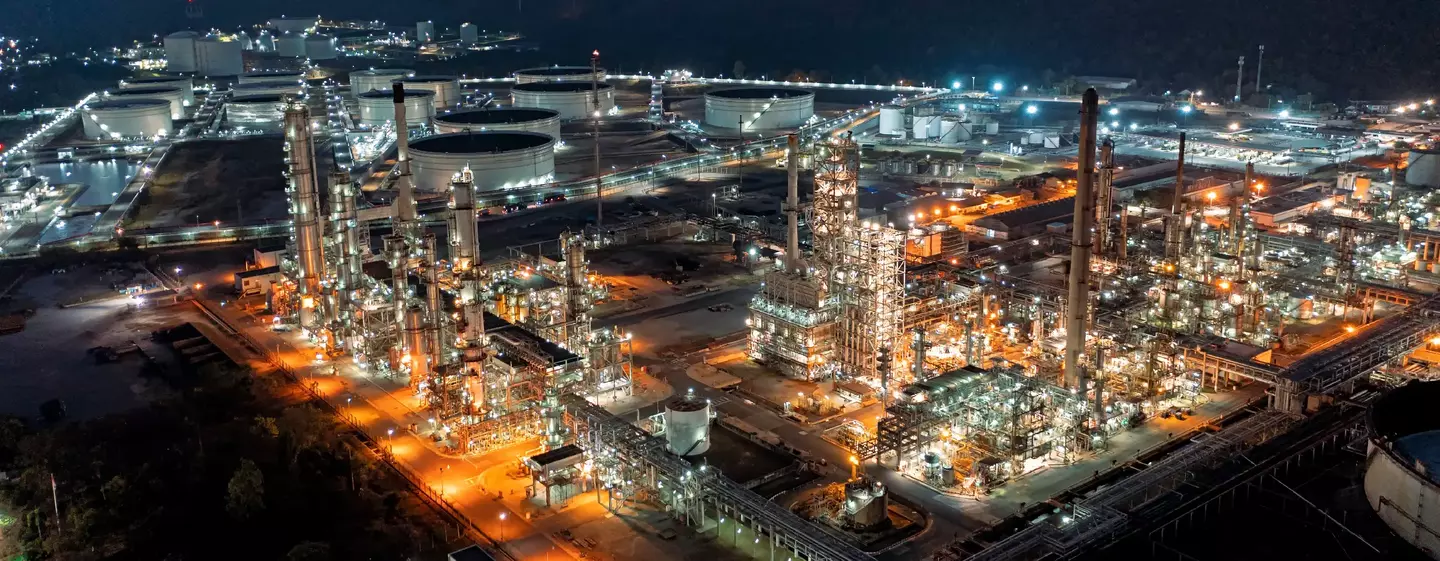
502	526
390	441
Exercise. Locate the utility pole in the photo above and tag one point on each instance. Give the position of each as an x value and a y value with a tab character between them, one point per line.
1259	65
595	134
1239	76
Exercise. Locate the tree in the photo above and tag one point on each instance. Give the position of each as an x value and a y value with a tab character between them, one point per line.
739	69
246	491
309	551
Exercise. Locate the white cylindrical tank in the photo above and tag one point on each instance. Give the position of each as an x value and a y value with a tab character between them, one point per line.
219	55
445	88
376	79
290	45
573	100
992	128
759	108
687	426
259	111
180	51
559	74
499	160
175	96
926	127
1423	168
892	119
265	42
321	47
469	34
294	25
126	118
378	107
425	31
530	119
275	88
272	77
183	83
1035	138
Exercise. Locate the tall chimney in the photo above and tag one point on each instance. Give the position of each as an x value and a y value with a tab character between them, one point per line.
1104	197
1239	77
1259	65
1174	224
1077	305
595	137
405	200
792	205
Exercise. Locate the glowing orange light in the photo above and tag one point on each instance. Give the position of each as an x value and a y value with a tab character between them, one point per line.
307	302
1224	285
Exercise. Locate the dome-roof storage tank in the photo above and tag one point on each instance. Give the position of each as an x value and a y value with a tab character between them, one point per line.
687	425
171	94
129	118
219	55
499	160
571	99
531	119
378	108
376	79
180	51
265	42
321	47
759	108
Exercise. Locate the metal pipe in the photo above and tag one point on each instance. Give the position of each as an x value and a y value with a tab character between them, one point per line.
1077	304
304	208
433	313
792	204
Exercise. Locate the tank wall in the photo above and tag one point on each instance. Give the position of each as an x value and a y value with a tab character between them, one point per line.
1407	498
549	127
375	112
447	93
175	97
129	122
687	432
219	58
321	48
293	25
892	120
186	86
180	54
493	171
578	76
290	45
571	105
1423	169
783	113
361	82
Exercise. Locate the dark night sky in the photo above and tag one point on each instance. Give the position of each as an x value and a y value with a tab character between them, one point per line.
1337	48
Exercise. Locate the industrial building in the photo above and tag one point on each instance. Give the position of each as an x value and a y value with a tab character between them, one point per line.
572	100
759	108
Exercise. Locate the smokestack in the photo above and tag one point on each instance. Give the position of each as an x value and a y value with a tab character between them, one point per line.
792	205
405	200
595	136
1077	306
1174	223
1259	65
1104	197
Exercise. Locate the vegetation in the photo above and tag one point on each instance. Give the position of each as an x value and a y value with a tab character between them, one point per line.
223	471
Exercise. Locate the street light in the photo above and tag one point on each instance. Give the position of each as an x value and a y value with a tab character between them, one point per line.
998	87
502	526
1031	109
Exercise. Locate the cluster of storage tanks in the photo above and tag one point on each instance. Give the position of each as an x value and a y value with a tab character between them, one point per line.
759	108
213	54
943	129
920	166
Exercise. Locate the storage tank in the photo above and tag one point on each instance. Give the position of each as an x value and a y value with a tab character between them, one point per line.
909	167
376	79
571	99
265	41
445	88
892	119
559	74
950	131
286	77
276	88
1423	168
530	119
378	107
1402	463
687	425
321	47
219	55
865	503
297	25
259	111
183	83
290	45
759	108
128	118
171	94
499	160
926	127
425	31
469	34
992	128
180	51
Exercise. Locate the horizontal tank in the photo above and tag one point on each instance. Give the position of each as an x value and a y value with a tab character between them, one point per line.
573	100
219	55
687	426
290	45
530	119
185	84
180	51
759	108
320	46
376	79
559	74
499	160
378	108
445	88
129	118
175	96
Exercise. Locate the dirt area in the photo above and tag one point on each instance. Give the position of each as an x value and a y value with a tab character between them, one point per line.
230	181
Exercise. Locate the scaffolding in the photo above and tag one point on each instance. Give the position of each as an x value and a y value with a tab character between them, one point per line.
868	276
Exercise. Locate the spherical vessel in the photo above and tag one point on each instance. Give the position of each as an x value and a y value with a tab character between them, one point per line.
294	25
559	74
259	111
1402	463
219	55
274	88
173	95
530	119
378	108
126	118
445	88
290	45
321	47
759	108
180	51
1423	168
687	426
499	160
892	120
573	100
183	83
272	77
377	79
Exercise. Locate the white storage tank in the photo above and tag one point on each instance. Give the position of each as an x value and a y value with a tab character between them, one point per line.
425	31
950	131
321	47
259	111
272	77
1423	168
499	160
892	119
687	426
171	94
1402	463
445	88
376	79
130	118
559	74
573	100
265	42
275	88
992	128
469	34
185	84
759	108
219	55
378	107
180	51
290	45
926	127
295	25
530	119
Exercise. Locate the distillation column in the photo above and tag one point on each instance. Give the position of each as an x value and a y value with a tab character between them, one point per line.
577	292
304	210
1104	198
793	261
1077	305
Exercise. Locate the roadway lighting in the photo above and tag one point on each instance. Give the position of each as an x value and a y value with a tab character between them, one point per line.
1114	124
1284	113
998	86
1134	126
955	85
1114	111
1031	109
1024	88
1186	109
1234	126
